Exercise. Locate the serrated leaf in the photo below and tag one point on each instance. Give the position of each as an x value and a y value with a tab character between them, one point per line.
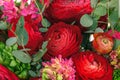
3	25
86	20
43	29
21	32
100	10
39	55
94	3
10	41
45	22
22	56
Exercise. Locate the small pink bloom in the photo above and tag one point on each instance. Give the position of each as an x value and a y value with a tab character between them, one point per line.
1	2
31	9
61	67
9	10
115	34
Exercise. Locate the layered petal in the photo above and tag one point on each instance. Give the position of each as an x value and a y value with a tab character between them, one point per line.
64	39
91	66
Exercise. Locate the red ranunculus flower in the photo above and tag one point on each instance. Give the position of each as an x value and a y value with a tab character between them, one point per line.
67	10
35	37
102	43
6	74
64	39
92	66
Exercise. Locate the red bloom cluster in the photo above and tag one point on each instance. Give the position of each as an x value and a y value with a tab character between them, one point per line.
67	10
91	66
64	39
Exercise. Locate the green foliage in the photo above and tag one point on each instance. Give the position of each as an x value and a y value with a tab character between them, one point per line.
43	29
116	43
45	24
116	74
21	32
37	60
86	20
3	25
11	41
94	3
100	10
22	56
7	59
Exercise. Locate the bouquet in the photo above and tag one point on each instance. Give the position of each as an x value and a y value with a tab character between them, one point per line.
59	40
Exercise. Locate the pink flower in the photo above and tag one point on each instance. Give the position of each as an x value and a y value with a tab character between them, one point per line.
115	34
1	2
30	10
9	10
59	68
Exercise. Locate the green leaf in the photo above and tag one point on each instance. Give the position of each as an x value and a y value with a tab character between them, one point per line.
21	32
32	73
114	4
45	22
86	20
39	55
39	5
97	30
22	56
3	25
116	43
43	29
100	10
44	45
11	41
113	18
94	26
94	3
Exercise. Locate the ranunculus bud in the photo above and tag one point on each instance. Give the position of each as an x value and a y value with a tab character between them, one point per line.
91	66
64	39
35	38
67	10
6	74
102	43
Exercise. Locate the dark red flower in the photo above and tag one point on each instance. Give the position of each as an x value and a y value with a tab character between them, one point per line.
35	37
64	39
102	43
67	10
6	74
92	66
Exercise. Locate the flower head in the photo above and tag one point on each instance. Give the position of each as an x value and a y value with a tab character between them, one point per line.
64	39
91	66
31	9
58	68
9	10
